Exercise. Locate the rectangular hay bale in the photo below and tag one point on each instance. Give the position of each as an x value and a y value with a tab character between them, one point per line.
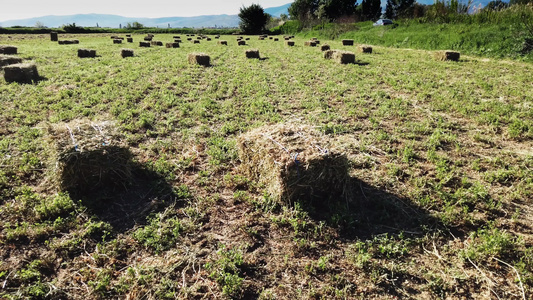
87	156
172	45
347	42
126	53
82	53
293	163
199	59
365	49
447	55
344	57
6	60
252	53
21	73
7	49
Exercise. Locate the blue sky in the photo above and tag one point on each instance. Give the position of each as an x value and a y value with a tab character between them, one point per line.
22	9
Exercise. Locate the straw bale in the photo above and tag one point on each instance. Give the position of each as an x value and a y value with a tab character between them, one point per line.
172	45
177	41
128	35
6	49
6	60
325	47
261	38
86	53
200	59
328	54
241	43
286	38
223	42
144	44
217	36
289	43
270	37
293	162
196	42
247	39
87	156
208	39
129	40
276	39
126	53
148	38
156	43
21	73
310	43
365	49
117	41
344	57
53	36
347	42
252	53
176	37
189	39
68	42
447	55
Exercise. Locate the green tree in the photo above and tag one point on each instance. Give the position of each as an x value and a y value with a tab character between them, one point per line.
253	19
339	8
496	5
134	25
371	9
399	9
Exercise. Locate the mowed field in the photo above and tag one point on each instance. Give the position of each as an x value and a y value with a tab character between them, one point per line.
440	165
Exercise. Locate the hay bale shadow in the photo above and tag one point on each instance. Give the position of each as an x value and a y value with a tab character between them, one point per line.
369	211
127	202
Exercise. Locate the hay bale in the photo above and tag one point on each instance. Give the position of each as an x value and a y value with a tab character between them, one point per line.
317	42
293	163
261	38
252	53
126	53
344	57
199	59
270	37
347	42
310	43
176	37
241	43
217	36
189	39
21	73
364	49
325	47
247	39
82	53
6	60
87	156
223	42
328	54
144	44
6	49
447	55
117	41
172	45
68	42
177	41
148	38
286	38
156	43
128	35
53	36
196	42
208	39
289	43
129	40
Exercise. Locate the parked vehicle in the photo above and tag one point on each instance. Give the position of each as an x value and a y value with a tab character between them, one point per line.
383	22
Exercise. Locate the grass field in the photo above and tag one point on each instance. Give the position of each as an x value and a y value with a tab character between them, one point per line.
441	173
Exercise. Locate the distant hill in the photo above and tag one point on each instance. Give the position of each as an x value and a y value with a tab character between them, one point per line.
114	21
277	11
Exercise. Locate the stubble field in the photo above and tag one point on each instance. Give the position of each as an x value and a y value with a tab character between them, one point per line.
441	175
